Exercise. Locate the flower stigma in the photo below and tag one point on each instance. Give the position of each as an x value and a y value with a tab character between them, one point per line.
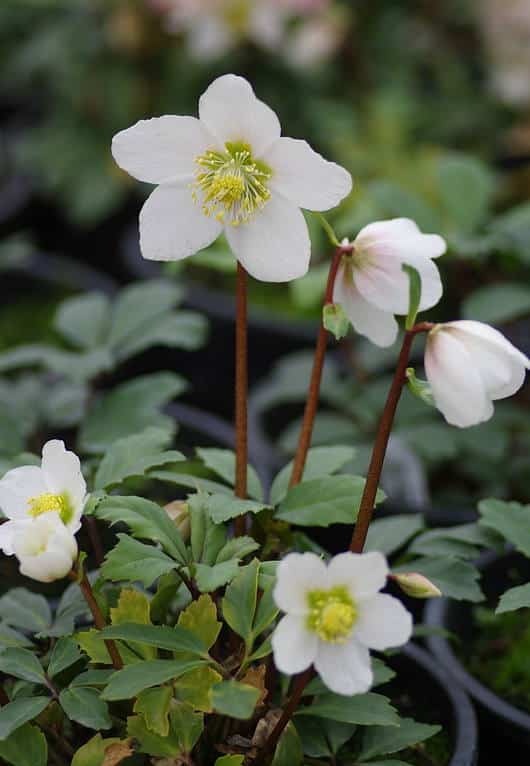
49	503
332	614
232	184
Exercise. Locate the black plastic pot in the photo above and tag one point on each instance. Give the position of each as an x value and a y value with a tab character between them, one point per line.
504	728
426	680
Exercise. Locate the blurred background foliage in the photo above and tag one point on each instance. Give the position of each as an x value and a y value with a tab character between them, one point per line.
426	103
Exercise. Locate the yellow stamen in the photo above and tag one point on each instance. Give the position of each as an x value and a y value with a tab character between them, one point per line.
332	614
49	503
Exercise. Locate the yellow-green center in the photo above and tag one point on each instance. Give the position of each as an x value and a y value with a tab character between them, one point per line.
332	614
231	185
49	503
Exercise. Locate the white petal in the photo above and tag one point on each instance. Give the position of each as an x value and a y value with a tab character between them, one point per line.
344	668
17	487
401	237
304	177
363	573
294	646
173	226
297	574
45	548
383	282
383	622
8	532
231	112
274	245
457	387
378	326
163	149
62	473
501	365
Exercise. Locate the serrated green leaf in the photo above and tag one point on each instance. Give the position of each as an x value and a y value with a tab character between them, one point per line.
364	709
210	578
186	727
133	561
509	519
239	602
21	663
320	462
93	752
25	610
173	639
138	304
26	746
85	706
237	548
65	654
200	619
514	598
133	679
390	534
83	319
224	507
154	705
223	463
234	699
15	714
383	740
195	688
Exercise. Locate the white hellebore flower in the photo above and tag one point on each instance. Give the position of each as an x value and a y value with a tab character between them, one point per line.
229	170
469	365
56	489
371	285
45	548
334	615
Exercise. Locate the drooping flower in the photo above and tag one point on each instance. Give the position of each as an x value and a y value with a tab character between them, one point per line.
56	488
334	616
229	171
371	285
469	365
45	548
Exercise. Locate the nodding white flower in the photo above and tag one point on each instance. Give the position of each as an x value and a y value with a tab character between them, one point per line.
469	365
334	615
45	548
229	171
56	488
371	285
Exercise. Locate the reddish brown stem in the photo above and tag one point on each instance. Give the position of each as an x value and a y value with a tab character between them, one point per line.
304	441
299	685
95	540
99	620
373	477
241	392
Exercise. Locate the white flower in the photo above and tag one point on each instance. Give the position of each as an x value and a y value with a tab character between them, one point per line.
469	365
334	615
30	492
45	548
371	285
229	171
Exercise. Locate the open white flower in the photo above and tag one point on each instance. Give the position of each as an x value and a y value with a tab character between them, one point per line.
469	365
30	492
334	615
229	170
371	285
45	548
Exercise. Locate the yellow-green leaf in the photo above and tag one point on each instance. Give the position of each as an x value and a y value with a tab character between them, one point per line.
195	688
200	617
153	705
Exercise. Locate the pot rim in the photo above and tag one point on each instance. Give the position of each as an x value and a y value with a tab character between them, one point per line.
435	615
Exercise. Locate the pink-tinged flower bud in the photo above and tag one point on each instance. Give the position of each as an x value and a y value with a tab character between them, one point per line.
416	585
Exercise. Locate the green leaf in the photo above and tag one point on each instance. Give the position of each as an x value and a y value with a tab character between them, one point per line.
382	740
414	294
207	538
390	534
322	738
265	613
234	699
446	542
84	705
509	519
289	748
25	610
230	760
93	752
21	663
224	507
65	654
154	705
133	456
195	688
455	578
364	709
146	520
223	463
210	578
133	561
239	602
83	320
151	743
466	188
173	639
129	409
140	303
133	679
237	548
26	746
200	619
73	365
11	637
184	329
186	727
321	502
20	711
514	598
419	388
498	303
96	677
320	462
335	320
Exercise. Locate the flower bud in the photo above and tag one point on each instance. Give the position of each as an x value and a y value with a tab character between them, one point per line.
45	548
178	512
416	585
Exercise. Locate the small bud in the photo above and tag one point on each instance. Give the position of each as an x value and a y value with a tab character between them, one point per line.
178	512
416	585
335	320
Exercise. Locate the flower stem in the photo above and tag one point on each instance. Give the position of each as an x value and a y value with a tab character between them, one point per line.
99	620
373	477
311	406
95	540
241	392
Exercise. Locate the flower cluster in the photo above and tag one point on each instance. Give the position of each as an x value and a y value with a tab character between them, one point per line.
43	506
